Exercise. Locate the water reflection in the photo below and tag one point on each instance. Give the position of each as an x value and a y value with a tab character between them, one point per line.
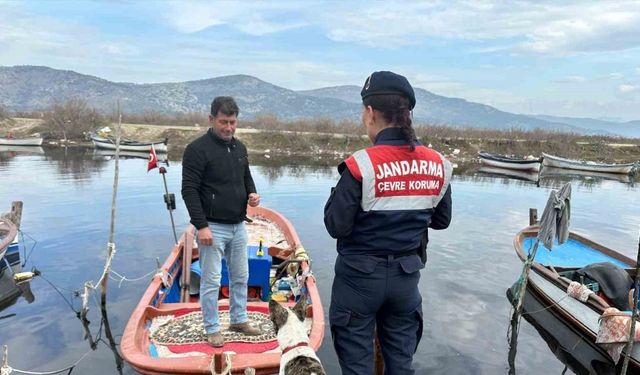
67	195
574	350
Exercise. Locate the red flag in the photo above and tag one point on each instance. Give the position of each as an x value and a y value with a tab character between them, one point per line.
153	159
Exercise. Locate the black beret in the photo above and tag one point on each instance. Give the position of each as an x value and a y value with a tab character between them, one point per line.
388	83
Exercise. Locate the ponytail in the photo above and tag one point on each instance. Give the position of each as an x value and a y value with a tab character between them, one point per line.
395	110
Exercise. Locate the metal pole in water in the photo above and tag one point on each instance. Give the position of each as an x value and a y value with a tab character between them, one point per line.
170	200
634	315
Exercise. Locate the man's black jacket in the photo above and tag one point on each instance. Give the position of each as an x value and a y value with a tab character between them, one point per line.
216	180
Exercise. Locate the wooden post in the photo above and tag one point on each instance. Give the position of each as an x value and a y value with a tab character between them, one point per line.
533	216
114	194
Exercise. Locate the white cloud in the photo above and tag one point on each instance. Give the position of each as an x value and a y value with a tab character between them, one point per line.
616	76
627	88
546	28
253	18
572	79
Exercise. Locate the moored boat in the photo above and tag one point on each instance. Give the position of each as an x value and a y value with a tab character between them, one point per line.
109	143
507	162
590	264
26	141
559	162
100	153
165	334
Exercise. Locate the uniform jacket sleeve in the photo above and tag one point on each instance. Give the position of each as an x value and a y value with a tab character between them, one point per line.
193	167
442	215
343	205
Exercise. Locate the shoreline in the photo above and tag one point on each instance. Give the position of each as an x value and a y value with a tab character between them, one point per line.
337	146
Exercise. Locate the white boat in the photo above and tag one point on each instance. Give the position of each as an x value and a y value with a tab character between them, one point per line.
105	154
27	141
502	161
128	145
558	162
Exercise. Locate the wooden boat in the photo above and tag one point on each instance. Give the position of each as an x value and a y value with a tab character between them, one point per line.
26	141
558	162
109	143
502	161
169	295
550	276
105	154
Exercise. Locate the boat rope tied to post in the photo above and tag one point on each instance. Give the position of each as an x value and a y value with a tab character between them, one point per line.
7	370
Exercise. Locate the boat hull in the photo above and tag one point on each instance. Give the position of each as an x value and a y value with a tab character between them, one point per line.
550	288
558	162
144	147
500	161
29	141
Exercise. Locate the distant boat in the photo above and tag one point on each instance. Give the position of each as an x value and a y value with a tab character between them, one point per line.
559	162
502	161
27	141
109	154
127	145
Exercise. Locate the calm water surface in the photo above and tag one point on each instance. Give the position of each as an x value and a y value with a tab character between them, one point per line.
67	199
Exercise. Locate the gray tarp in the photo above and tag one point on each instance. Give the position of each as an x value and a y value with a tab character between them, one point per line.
554	222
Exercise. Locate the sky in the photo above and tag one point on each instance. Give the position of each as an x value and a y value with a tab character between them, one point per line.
563	58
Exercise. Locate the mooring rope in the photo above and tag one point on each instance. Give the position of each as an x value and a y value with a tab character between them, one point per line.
7	370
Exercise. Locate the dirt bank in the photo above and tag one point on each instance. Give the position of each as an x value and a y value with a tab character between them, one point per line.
300	144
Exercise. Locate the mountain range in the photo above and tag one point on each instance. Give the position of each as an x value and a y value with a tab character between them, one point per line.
32	88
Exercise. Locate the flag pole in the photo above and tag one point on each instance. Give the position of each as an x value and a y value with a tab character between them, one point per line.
170	200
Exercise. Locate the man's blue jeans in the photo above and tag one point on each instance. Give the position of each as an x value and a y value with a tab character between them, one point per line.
230	241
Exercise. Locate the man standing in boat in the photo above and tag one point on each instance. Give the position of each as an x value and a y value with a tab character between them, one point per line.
386	198
216	188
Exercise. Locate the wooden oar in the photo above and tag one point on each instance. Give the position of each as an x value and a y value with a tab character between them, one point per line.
634	315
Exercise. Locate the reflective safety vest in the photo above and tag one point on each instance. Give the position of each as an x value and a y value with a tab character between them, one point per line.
395	178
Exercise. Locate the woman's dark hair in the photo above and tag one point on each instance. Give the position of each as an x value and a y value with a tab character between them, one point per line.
395	110
224	104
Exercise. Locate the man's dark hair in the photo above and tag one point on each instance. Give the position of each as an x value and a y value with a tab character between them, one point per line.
224	104
395	110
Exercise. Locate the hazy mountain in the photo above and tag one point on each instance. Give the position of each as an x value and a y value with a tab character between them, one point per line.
436	109
27	88
627	129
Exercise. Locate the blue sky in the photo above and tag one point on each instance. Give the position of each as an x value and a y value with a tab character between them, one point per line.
566	58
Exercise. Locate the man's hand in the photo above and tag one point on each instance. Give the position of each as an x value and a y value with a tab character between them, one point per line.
205	237
254	199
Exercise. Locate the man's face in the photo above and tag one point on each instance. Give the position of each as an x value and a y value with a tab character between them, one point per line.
224	125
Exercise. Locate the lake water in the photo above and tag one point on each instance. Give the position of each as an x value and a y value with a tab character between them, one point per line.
67	200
